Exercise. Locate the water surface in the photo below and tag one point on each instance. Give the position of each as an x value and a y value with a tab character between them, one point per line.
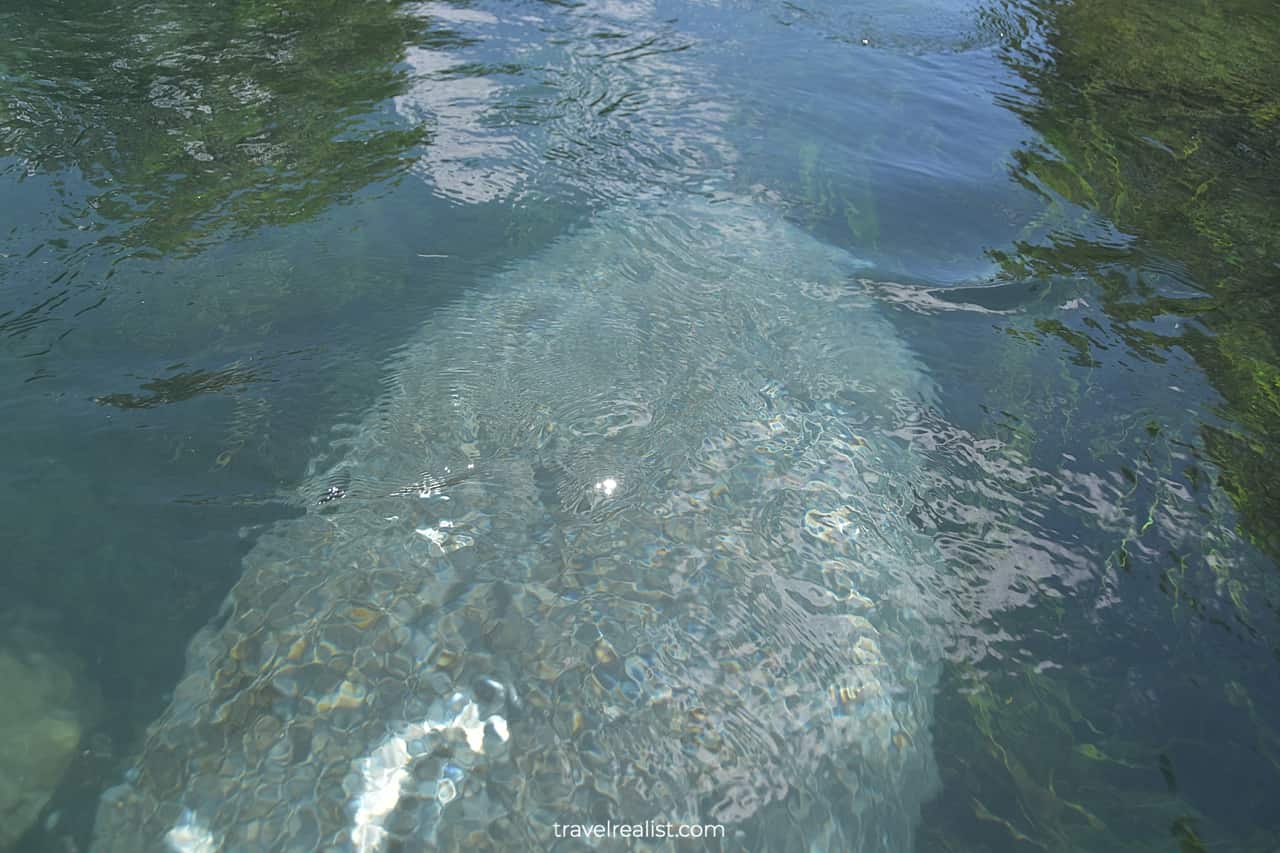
222	222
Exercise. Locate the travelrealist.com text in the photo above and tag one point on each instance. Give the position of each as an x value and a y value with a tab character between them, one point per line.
647	829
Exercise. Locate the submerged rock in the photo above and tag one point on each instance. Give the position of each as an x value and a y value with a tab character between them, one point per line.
48	705
690	591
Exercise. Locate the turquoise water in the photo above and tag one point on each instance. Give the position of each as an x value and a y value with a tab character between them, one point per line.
248	250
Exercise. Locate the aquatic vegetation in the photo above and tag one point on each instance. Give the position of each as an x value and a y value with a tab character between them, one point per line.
1074	505
1055	776
821	201
182	386
1158	117
216	120
136	144
1154	121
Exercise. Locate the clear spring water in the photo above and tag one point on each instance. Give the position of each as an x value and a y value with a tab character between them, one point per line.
704	292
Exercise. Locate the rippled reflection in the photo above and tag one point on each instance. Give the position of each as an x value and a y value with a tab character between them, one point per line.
1125	638
550	98
1115	613
190	120
1174	144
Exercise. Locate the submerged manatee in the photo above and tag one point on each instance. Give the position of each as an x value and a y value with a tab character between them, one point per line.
671	578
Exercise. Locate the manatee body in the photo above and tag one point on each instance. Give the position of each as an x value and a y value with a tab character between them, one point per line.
671	578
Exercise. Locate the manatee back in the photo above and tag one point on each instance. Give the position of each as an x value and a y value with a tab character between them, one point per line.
680	584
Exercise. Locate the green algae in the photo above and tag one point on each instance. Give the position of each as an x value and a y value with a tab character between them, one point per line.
1158	117
1154	121
201	122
